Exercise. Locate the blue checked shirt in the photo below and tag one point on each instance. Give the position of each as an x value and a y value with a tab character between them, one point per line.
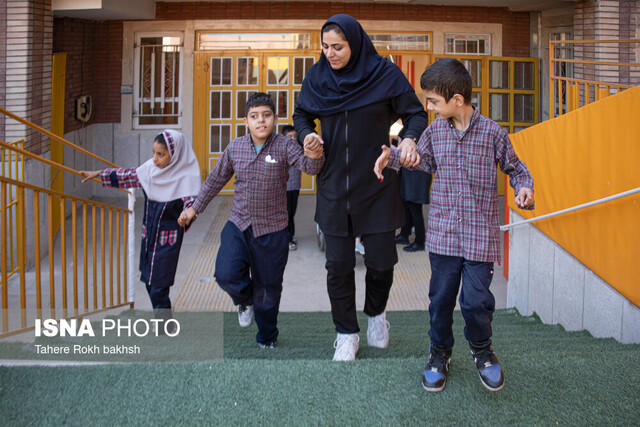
463	216
260	187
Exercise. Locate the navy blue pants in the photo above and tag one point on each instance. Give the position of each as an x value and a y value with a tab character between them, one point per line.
159	296
476	300
251	269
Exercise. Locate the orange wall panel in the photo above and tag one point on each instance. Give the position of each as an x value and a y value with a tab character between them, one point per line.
585	155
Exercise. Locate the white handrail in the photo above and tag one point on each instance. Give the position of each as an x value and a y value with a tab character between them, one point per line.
574	208
131	268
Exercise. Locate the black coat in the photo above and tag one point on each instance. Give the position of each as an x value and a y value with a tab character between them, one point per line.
347	184
415	186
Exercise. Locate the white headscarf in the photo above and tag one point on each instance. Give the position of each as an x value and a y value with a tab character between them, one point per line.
181	177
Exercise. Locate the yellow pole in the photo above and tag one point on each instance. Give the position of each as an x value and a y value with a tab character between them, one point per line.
52	288
74	254
36	238
95	259
3	258
85	257
551	82
104	267
63	257
110	215
22	254
119	295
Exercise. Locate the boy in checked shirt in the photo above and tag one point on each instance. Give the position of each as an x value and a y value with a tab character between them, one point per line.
254	242
462	148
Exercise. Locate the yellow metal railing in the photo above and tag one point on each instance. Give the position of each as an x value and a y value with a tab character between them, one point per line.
576	80
98	279
13	167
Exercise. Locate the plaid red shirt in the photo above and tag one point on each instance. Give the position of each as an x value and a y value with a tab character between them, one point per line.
463	216
128	178
260	188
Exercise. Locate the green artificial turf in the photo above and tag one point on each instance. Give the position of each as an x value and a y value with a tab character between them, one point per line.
552	377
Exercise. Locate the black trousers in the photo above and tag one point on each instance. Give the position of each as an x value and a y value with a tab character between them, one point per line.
413	212
292	206
379	259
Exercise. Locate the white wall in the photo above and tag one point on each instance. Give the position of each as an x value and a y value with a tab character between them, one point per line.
547	280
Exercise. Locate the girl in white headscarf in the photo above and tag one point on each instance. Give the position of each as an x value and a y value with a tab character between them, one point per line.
170	181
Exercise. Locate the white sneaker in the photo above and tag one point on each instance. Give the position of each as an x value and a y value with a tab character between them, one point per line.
378	331
346	345
245	315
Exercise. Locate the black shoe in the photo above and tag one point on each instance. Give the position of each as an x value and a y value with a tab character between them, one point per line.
489	368
414	247
434	376
401	239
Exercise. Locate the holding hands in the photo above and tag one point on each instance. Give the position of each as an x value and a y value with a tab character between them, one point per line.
187	216
313	146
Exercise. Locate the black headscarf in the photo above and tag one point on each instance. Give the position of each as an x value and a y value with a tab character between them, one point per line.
367	77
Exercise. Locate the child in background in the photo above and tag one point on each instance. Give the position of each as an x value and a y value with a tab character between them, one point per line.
462	148
254	242
293	192
170	180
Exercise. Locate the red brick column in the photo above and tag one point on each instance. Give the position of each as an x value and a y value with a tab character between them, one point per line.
27	70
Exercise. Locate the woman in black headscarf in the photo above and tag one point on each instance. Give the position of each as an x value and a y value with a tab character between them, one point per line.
357	95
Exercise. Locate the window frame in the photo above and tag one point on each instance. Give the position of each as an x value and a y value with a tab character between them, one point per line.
467	36
136	100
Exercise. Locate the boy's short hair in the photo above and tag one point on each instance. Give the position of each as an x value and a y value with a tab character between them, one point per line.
446	77
259	99
287	128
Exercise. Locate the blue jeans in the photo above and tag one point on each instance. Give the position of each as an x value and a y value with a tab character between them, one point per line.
476	300
251	269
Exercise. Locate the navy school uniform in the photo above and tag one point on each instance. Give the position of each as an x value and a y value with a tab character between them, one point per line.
161	237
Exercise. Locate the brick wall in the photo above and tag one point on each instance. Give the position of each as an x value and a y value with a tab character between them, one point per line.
3	65
94	61
27	70
515	33
606	20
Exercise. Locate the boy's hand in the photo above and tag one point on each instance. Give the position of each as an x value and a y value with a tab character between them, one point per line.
89	175
409	156
381	163
313	146
524	198
187	216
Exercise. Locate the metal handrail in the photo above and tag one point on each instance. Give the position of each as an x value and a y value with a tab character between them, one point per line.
54	136
571	209
49	162
107	300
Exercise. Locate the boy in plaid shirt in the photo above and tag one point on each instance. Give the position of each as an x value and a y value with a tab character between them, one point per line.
254	243
462	148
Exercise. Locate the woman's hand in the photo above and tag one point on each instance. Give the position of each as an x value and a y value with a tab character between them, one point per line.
187	216
409	157
89	175
381	163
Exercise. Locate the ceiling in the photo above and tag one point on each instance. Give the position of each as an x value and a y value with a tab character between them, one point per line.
145	9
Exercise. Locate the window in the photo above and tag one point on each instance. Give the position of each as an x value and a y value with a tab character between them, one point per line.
158	81
401	41
228	41
467	44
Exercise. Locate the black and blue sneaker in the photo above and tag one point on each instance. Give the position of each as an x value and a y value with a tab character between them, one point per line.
434	376
489	368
